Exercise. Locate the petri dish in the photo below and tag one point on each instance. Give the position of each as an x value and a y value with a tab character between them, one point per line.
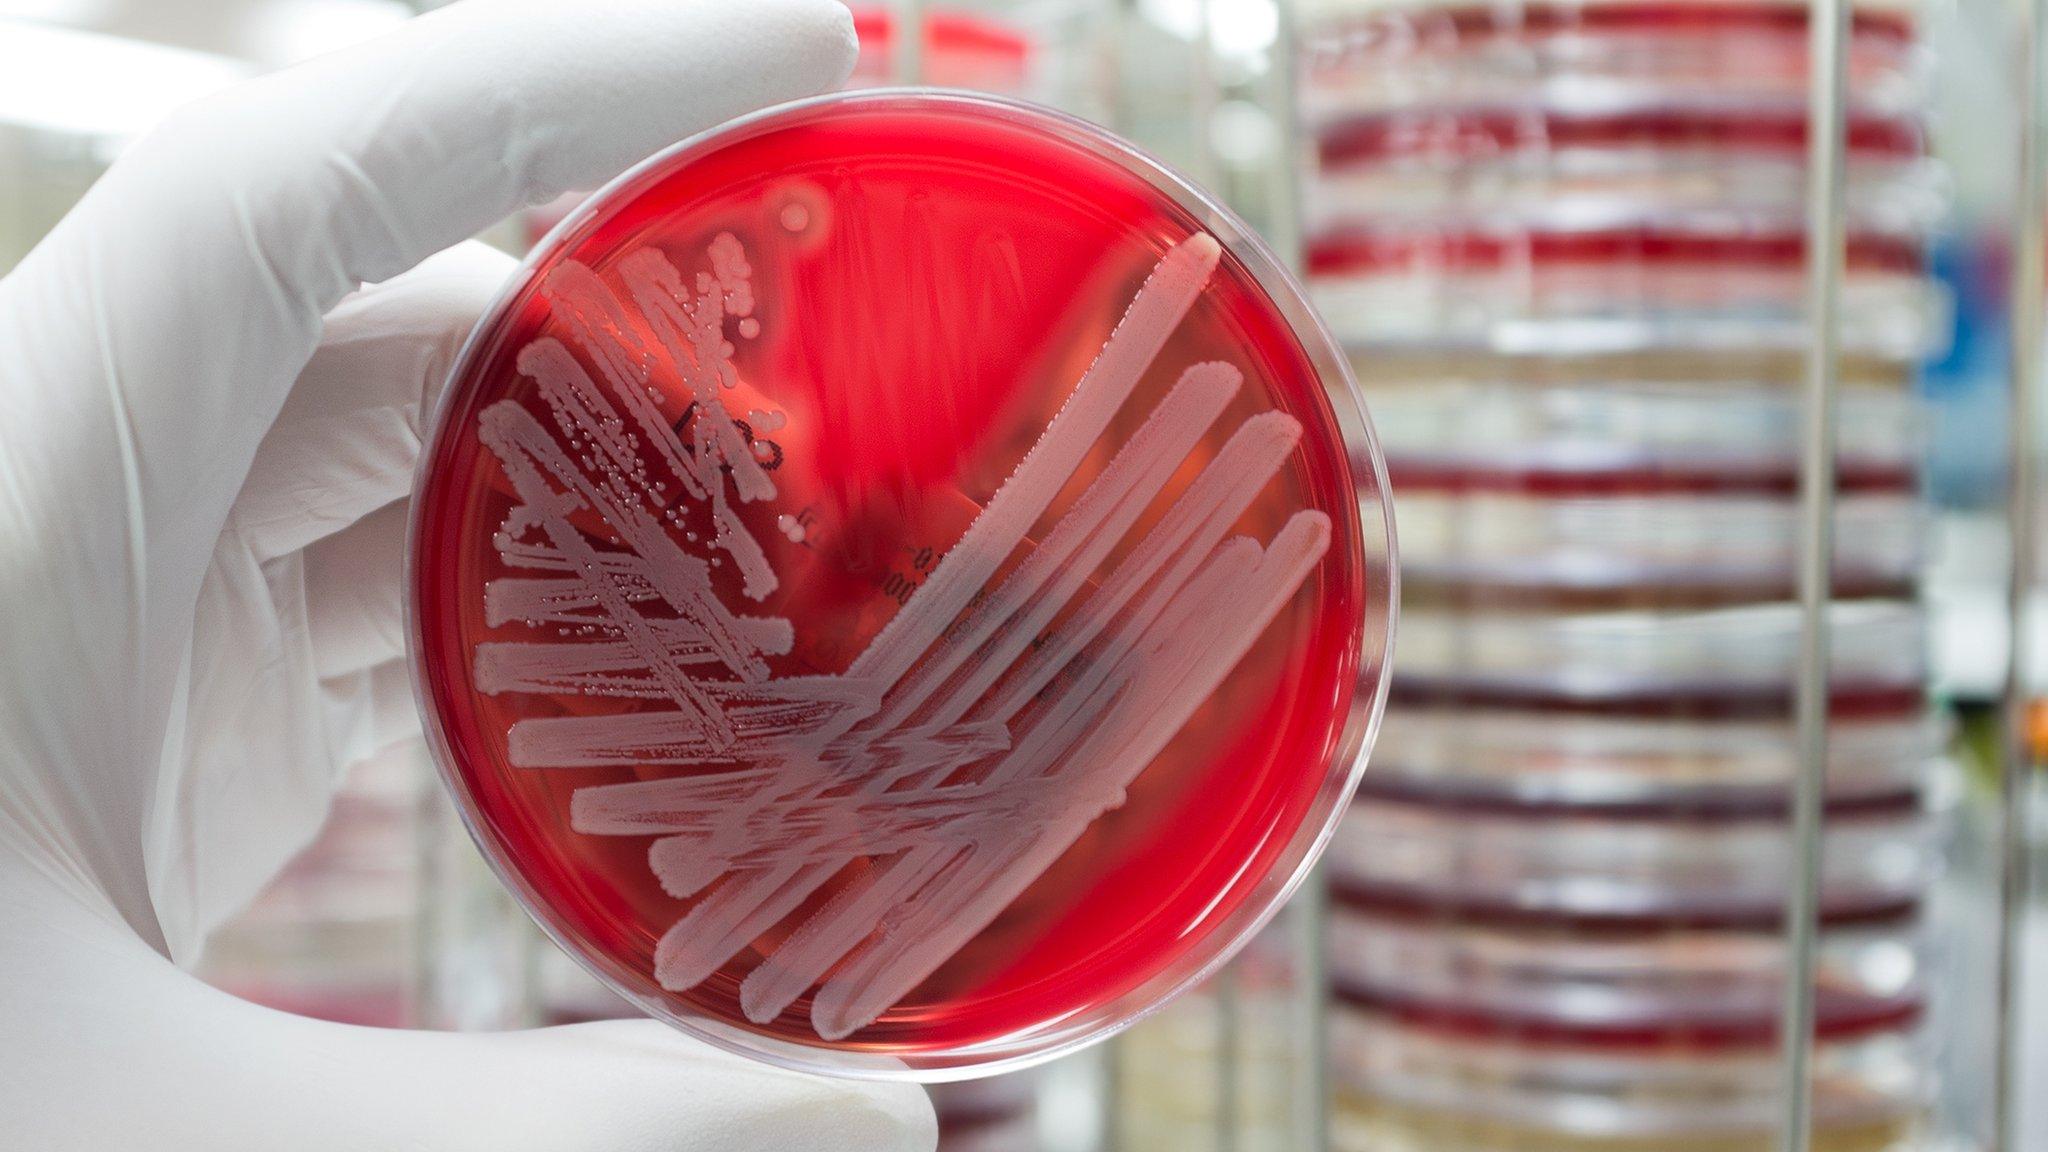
1603	868
1481	1084
1610	290
1613	424
900	585
1672	763
1734	54
1723	663
1657	162
1495	538
1619	495
1721	376
1620	983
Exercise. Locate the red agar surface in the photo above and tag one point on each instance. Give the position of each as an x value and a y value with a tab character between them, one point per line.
901	294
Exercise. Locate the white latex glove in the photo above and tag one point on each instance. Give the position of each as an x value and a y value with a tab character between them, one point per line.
205	442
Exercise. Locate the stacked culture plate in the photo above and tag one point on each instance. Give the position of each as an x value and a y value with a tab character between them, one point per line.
1563	243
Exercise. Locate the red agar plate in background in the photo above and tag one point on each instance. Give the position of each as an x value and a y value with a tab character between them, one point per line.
900	585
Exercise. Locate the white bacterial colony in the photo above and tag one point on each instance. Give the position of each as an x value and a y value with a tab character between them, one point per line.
966	747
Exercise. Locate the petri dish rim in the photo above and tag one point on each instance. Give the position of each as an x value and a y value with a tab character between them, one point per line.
1379	585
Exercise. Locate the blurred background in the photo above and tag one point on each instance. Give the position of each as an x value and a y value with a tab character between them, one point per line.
1563	243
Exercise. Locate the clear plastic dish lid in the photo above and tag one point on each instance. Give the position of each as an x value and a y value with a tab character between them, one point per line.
1458	754
1658	376
1450	1087
1737	55
1472	537
1655	163
1621	493
1532	867
1624	424
1624	986
900	585
1507	289
1726	663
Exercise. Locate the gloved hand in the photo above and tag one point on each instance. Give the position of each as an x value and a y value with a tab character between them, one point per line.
205	445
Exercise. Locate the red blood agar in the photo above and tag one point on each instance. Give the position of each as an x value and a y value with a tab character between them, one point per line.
900	585
1447	137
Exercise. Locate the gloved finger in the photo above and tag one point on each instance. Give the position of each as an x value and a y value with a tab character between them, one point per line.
369	709
353	609
274	740
265	740
394	711
115	1041
349	433
200	265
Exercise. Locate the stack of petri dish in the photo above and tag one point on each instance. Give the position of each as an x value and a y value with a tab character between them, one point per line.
1563	243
